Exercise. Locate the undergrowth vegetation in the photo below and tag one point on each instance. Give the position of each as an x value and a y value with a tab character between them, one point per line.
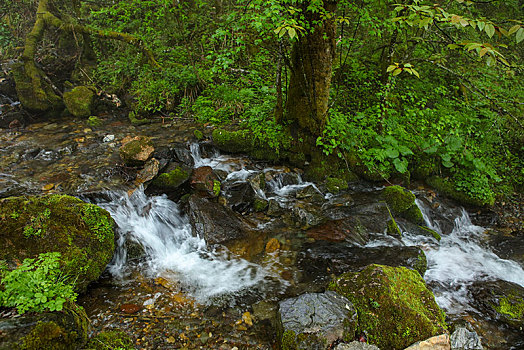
416	89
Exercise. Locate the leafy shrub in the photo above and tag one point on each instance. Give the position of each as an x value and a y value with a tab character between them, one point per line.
36	285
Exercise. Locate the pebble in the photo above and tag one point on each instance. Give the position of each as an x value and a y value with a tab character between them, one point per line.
108	138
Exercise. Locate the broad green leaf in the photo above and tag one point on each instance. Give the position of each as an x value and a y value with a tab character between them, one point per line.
463	22
392	153
447	164
481	25
391	68
292	32
415	72
404	150
401	165
520	35
397	71
483	51
490	29
514	29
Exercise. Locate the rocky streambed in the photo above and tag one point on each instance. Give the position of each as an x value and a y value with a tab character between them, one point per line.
222	251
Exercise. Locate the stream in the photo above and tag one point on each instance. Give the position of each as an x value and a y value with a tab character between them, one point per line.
168	289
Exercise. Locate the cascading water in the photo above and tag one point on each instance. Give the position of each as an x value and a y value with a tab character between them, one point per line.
460	259
172	252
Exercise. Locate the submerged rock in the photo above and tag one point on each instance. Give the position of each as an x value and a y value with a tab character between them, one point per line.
171	180
395	309
63	330
315	321
83	233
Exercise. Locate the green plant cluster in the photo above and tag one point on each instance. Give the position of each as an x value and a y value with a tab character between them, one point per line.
36	285
99	223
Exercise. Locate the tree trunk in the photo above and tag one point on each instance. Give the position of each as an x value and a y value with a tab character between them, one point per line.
311	67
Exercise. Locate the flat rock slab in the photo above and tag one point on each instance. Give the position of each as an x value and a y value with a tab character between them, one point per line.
315	320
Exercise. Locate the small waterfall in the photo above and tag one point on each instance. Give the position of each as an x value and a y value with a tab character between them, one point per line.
156	224
460	259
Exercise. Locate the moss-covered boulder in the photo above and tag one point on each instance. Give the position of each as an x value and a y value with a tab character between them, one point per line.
335	184
395	309
447	188
172	179
240	141
64	330
401	201
79	101
83	233
136	151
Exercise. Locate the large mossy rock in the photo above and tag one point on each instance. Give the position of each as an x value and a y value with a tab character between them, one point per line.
395	309
401	201
64	330
83	233
314	321
79	101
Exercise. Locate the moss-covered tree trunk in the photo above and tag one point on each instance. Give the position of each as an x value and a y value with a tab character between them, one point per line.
35	90
311	67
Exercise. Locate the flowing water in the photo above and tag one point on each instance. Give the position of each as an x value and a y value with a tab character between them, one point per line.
172	252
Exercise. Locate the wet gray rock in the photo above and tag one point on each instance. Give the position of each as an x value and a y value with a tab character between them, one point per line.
321	259
356	345
215	223
274	208
463	339
310	192
205	182
182	153
239	195
316	320
305	215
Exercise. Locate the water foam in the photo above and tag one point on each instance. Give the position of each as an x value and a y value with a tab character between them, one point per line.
156	224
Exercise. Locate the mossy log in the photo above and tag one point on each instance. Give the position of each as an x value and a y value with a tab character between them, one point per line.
33	84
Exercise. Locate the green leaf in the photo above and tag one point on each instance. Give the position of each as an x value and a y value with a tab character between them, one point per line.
447	164
490	30
397	71
401	165
291	32
392	152
520	35
391	68
514	29
483	51
481	25
404	150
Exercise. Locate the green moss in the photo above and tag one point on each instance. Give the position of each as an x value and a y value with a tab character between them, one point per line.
289	341
260	204
199	135
172	179
62	331
135	120
406	312
33	92
216	188
335	184
393	229
422	263
434	233
94	121
83	233
398	198
233	141
414	215
447	188
79	101
110	340
511	307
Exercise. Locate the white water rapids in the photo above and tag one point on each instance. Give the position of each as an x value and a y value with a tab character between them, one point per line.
156	224
459	260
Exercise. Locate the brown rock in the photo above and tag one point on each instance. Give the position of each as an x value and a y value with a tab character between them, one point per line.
136	151
272	246
130	308
439	342
205	182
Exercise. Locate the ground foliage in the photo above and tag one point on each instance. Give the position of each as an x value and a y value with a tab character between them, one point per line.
421	87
